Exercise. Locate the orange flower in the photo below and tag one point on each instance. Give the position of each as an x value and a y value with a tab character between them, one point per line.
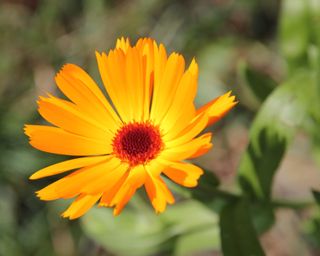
147	129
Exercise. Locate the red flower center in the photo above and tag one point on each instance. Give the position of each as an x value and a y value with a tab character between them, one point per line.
137	143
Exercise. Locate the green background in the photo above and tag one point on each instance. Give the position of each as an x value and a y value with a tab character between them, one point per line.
266	152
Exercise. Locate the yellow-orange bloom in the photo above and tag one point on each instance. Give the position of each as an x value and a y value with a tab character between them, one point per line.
147	131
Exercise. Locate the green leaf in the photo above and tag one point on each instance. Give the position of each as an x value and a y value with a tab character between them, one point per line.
256	84
132	233
207	185
315	233
238	236
314	6
312	226
262	216
208	180
285	110
314	51
205	239
139	231
192	235
299	31
316	195
316	147
179	221
260	163
294	32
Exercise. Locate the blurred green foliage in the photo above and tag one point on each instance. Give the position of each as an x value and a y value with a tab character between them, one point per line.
267	52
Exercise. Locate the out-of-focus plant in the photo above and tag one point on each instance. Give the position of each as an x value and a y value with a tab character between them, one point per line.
283	95
290	107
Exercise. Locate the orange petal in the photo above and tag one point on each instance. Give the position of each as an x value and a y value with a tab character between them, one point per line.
107	180
183	101
55	140
127	78
135	83
109	194
201	150
164	91
74	183
123	44
158	192
188	149
79	87
67	166
184	174
218	107
147	48
135	180
111	68
67	116
181	123
191	131
80	206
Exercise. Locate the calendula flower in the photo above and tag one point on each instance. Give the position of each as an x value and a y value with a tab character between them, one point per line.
146	130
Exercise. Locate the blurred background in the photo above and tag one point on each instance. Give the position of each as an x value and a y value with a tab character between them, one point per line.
251	47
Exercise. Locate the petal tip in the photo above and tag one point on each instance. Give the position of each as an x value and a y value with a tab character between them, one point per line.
33	176
97	53
116	212
27	130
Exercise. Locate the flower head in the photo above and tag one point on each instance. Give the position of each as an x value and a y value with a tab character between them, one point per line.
146	130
